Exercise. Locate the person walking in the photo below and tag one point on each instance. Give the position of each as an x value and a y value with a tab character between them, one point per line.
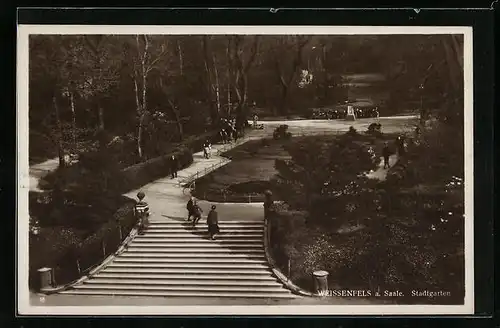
213	223
174	166
197	211
206	149
401	146
386	153
141	211
190	208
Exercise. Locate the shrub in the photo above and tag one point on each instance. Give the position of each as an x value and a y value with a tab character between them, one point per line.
265	142
143	173
374	129
281	132
352	131
60	247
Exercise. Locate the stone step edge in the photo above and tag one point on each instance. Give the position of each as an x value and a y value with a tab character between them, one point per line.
177	294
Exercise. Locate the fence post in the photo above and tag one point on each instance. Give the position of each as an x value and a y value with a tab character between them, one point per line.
120	232
249	198
78	267
103	248
289	269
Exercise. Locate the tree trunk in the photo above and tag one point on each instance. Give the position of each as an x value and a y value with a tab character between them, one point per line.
209	83
139	134
73	114
181	62
100	112
140	114
283	107
178	119
217	87
60	150
229	77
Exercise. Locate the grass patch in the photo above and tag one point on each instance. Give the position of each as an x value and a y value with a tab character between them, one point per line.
251	168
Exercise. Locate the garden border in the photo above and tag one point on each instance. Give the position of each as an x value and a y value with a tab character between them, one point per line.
272	264
123	246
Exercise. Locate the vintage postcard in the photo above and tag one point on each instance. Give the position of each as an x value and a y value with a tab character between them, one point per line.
274	170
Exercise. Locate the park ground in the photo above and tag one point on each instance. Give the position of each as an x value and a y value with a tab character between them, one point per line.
167	199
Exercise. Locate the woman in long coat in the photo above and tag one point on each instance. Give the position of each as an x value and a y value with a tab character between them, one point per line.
213	223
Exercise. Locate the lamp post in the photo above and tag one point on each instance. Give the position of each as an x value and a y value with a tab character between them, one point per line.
422	114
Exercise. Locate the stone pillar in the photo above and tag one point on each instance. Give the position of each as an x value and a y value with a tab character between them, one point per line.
320	282
268	202
46	278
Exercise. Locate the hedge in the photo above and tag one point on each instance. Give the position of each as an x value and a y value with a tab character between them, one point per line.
140	174
60	248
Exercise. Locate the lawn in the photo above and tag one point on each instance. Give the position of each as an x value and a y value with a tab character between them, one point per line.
252	167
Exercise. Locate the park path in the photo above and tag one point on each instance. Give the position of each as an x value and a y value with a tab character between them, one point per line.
38	171
381	173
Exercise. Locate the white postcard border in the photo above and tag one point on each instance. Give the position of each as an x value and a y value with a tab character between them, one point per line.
23	296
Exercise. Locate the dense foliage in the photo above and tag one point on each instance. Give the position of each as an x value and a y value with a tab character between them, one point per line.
151	90
405	233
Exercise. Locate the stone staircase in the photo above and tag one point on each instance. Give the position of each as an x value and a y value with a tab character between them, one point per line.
173	259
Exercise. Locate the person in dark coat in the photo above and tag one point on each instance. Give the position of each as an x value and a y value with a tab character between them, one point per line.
174	166
197	211
190	208
386	153
213	222
401	146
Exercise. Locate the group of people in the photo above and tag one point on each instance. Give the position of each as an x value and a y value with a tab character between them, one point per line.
228	130
387	152
195	211
141	212
207	147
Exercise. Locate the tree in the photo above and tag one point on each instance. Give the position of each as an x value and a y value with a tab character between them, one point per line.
321	170
241	68
286	75
144	62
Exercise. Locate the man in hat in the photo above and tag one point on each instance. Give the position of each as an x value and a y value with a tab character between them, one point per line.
174	166
213	222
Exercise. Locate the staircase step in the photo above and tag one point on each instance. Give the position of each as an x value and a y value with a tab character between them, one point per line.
221	222
223	242
226	272
184	260
202	229
202	222
193	250
197	294
222	236
206	278
188	256
195	244
149	287
191	266
185	282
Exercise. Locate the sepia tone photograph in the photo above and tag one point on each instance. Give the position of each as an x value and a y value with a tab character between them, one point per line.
264	169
